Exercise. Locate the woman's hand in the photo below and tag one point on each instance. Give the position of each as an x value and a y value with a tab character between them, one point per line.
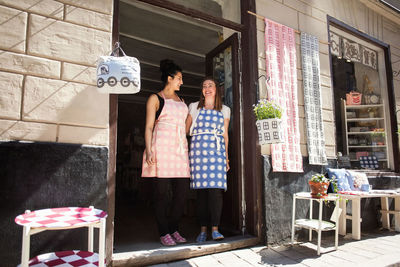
227	165
149	157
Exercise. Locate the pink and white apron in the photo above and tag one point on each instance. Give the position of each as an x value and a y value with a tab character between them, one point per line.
169	144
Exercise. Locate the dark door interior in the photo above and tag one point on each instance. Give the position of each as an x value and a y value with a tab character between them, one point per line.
151	34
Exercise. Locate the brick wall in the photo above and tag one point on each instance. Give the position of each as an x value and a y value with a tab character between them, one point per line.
310	17
48	51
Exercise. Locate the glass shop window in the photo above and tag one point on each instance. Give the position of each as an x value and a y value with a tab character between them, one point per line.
360	97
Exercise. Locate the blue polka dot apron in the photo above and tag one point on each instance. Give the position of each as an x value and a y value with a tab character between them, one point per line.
207	151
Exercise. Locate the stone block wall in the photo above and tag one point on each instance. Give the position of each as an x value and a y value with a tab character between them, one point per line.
311	17
48	53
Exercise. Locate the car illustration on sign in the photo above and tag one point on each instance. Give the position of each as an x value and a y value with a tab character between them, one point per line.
112	73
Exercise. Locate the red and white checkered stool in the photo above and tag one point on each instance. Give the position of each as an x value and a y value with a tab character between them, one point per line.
58	219
72	258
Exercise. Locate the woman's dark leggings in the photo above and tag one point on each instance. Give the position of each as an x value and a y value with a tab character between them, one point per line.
209	206
180	186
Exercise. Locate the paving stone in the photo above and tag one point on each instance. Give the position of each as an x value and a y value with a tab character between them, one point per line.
249	256
350	253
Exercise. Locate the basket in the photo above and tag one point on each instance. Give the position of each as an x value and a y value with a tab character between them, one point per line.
270	131
353	98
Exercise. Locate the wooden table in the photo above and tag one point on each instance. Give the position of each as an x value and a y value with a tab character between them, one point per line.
355	217
60	219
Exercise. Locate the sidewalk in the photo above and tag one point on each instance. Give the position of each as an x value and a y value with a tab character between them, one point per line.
379	248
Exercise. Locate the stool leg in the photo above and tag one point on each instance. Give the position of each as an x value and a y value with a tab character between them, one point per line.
356	218
102	241
319	226
337	224
90	238
342	218
293	216
26	238
397	214
311	211
385	215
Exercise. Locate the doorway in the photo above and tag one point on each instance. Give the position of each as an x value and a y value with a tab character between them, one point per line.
151	34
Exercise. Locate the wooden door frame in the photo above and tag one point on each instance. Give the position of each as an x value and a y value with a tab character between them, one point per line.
253	161
235	155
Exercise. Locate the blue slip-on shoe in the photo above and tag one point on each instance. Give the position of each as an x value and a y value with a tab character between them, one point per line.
217	235
202	237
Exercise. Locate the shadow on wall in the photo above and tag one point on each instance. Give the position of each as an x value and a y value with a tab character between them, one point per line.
279	188
47	175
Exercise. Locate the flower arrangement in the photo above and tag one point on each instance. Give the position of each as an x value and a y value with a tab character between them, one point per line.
319	184
265	109
319	178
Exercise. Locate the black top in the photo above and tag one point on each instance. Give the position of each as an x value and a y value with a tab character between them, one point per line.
160	107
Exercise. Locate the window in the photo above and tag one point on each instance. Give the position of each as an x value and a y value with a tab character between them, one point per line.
360	94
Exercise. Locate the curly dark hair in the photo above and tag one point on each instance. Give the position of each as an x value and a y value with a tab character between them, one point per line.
168	68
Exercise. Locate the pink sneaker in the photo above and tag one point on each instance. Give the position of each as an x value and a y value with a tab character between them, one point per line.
167	240
178	238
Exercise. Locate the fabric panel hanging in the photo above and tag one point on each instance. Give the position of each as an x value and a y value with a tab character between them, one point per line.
312	99
280	51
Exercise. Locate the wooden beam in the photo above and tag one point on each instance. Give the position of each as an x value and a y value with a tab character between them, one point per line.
156	256
195	14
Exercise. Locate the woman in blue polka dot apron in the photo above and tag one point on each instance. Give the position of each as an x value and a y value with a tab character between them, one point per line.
208	122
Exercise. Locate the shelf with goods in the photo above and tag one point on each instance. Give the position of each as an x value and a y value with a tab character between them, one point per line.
364	132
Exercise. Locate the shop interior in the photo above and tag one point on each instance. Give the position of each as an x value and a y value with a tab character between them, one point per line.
186	41
359	101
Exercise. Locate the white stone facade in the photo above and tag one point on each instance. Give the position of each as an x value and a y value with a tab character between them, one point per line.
48	53
368	16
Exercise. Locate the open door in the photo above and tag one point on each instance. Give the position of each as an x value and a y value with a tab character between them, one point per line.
222	63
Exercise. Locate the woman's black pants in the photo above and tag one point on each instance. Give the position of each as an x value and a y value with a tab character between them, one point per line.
209	206
179	188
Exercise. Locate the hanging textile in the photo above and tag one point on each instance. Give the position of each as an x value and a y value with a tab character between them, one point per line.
312	99
280	51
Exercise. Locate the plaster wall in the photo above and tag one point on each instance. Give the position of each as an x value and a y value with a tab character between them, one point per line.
48	53
311	16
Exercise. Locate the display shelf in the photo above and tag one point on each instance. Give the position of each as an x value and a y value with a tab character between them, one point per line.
377	160
364	106
360	132
363	119
367	146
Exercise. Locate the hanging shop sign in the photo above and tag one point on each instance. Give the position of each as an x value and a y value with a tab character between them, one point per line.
352	51
118	75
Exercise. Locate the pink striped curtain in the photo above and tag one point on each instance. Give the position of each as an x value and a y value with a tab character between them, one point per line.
280	51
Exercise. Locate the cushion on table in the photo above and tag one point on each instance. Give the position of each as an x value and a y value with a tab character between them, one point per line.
359	179
341	177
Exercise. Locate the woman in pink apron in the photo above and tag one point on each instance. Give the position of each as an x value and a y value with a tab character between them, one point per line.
166	156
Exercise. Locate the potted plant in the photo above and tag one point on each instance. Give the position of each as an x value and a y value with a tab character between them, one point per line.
378	136
269	123
319	184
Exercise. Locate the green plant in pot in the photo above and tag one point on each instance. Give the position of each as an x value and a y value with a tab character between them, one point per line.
319	185
378	136
269	123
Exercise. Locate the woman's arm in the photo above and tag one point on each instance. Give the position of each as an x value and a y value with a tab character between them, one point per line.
226	138
151	109
188	123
